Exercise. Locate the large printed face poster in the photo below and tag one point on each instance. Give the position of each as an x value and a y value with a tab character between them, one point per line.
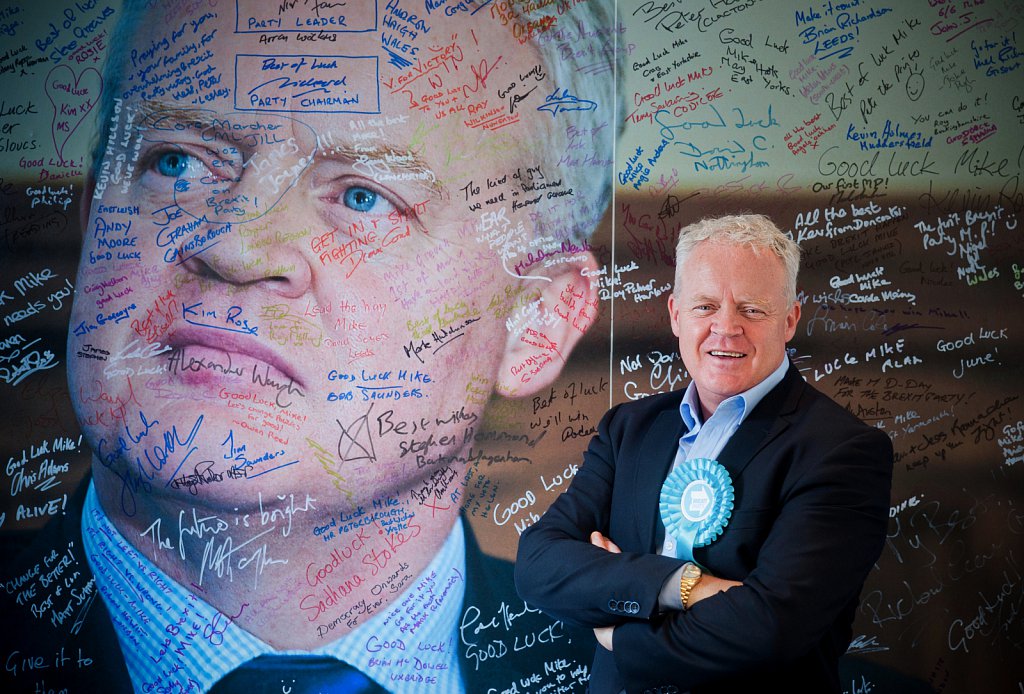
310	309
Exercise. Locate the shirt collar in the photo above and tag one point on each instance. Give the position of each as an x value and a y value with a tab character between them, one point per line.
172	639
743	403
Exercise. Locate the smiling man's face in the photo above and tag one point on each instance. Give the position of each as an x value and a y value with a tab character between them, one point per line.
733	319
289	299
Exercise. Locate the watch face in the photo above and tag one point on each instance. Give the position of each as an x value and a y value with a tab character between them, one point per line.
691	571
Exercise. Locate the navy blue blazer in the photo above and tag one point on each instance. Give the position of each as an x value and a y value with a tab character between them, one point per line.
812	487
517	645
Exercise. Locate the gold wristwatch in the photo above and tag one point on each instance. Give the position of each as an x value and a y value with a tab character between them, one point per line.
689	578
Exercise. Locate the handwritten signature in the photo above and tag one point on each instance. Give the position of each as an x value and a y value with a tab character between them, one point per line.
30	363
561	100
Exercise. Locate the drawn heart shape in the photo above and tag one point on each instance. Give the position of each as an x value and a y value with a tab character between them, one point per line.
72	99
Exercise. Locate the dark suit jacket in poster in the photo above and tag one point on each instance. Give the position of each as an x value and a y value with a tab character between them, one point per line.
495	657
812	497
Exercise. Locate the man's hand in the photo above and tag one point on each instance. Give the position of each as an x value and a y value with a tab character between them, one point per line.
604	634
599	540
709	585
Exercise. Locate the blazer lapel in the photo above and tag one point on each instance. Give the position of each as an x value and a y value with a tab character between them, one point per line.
768	420
653	463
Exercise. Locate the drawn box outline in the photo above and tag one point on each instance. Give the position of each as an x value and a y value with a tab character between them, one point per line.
311	30
376	82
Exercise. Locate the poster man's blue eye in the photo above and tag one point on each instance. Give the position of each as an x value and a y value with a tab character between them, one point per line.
359	199
173	164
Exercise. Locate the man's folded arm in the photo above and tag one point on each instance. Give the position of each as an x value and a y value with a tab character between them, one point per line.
826	539
558	569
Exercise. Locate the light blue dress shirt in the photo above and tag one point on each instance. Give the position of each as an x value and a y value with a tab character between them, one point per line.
173	640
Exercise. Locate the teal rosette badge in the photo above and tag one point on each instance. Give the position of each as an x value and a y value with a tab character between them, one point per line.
696	503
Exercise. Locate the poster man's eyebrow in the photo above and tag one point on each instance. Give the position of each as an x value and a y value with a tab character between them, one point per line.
231	128
160	115
384	164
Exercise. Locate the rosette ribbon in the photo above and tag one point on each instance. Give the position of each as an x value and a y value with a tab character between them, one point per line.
696	503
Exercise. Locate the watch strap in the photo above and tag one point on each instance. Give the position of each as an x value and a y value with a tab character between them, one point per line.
686	585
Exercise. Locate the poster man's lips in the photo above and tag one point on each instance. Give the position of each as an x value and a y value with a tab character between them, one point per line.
234	343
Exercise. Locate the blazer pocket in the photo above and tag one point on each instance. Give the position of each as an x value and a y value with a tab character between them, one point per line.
736	552
751	518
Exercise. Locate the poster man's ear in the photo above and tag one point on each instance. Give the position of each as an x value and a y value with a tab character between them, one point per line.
538	348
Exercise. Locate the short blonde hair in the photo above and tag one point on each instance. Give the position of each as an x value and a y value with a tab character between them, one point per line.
754	230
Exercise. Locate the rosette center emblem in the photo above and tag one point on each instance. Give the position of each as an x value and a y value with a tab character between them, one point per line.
697	501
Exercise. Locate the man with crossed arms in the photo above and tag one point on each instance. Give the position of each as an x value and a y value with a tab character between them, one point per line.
717	538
